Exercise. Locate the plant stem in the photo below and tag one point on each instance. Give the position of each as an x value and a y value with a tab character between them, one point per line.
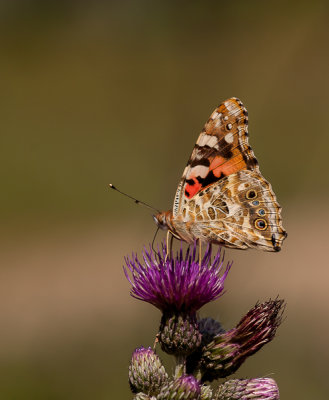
180	366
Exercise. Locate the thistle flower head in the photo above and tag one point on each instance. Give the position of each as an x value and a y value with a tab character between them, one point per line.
176	284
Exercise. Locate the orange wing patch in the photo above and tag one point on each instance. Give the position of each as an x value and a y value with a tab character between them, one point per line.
221	166
222	148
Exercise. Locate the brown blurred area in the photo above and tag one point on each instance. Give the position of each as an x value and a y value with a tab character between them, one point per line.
99	92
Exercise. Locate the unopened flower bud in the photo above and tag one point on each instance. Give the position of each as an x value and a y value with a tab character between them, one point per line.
146	372
241	389
227	351
184	388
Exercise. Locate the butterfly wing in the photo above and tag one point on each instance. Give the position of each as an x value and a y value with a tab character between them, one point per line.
239	211
222	197
221	150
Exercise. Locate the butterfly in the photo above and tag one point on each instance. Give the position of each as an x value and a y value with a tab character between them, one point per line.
222	197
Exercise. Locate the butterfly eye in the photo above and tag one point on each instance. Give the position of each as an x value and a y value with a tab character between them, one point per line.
251	194
261	212
261	224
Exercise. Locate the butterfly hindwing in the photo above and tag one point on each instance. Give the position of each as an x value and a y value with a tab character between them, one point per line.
255	219
238	211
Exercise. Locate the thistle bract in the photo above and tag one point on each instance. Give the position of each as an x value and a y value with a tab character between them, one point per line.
206	392
143	396
179	334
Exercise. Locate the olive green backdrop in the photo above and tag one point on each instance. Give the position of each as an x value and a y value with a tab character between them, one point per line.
98	92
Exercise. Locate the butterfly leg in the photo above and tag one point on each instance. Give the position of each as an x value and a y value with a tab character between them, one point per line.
200	252
170	238
155	235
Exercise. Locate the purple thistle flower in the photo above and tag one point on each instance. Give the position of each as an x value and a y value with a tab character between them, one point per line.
176	284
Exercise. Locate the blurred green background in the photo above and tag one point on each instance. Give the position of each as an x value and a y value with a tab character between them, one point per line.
98	92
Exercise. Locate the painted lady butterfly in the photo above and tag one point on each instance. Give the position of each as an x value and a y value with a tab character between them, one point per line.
222	197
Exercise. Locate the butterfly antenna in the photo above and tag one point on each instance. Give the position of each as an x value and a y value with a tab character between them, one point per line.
133	198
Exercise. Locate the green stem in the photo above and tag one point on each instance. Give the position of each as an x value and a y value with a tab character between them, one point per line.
180	366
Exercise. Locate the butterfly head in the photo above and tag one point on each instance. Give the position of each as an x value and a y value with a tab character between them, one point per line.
161	220
164	220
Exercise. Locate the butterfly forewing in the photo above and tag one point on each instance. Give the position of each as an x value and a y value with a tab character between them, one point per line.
221	150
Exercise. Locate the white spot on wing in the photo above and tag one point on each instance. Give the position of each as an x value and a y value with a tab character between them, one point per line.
230	106
229	138
208	140
215	115
212	141
199	170
202	139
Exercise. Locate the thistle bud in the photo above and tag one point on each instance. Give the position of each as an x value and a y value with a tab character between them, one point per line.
184	388
146	372
256	389
227	351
